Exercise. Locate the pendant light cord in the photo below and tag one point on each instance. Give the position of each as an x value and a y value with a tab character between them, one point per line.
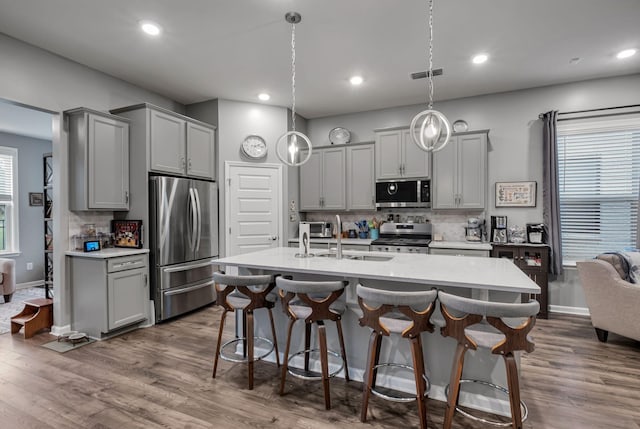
293	76
430	72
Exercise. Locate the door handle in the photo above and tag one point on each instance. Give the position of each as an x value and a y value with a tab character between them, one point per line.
274	237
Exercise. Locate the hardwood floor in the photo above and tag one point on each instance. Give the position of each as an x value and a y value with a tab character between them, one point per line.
160	377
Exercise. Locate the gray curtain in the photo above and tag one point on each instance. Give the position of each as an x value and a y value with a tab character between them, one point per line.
551	190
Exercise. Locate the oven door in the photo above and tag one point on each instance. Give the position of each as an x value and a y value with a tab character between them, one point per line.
400	193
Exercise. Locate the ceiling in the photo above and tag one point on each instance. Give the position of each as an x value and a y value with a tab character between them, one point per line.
237	49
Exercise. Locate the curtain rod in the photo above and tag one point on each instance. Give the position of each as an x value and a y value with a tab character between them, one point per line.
595	110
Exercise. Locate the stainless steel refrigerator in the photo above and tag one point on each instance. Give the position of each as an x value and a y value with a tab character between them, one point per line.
183	242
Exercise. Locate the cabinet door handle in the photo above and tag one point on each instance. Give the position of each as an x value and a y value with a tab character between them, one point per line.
189	164
182	161
145	280
126	197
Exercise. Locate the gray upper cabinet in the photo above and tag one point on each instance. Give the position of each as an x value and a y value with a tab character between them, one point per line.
168	143
200	151
460	173
361	177
322	180
98	161
397	156
175	144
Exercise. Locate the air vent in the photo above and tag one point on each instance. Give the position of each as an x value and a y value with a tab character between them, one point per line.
423	74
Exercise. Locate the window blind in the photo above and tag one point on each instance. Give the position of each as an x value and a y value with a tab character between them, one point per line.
599	178
6	177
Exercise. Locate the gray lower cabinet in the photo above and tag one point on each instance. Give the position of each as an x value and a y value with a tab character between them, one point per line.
460	173
322	180
398	157
108	294
98	160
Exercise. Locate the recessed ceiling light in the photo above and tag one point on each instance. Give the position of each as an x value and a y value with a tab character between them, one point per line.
264	96
356	80
480	58
151	28
626	53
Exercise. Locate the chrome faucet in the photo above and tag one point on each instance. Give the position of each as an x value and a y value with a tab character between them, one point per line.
338	237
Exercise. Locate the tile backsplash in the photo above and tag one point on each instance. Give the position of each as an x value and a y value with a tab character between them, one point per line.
449	225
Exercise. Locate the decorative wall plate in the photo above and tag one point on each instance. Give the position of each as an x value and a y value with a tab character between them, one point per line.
460	126
339	135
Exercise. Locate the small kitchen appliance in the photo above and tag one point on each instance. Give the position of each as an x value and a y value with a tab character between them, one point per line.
474	231
403	238
536	233
403	193
319	229
499	229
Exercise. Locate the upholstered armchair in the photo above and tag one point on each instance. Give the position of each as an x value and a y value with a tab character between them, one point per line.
7	278
613	302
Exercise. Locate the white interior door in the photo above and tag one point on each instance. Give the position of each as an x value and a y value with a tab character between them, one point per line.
253	204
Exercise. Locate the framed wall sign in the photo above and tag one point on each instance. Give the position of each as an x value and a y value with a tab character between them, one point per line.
515	194
127	233
36	198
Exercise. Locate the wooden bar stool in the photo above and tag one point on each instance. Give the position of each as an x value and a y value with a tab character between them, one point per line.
313	302
464	322
399	312
247	294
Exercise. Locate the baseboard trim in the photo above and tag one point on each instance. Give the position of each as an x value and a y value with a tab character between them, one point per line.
562	309
27	285
59	330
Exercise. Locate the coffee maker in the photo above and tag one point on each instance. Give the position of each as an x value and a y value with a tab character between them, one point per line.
499	229
536	233
475	229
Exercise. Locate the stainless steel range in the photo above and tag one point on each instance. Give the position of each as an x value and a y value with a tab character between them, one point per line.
403	238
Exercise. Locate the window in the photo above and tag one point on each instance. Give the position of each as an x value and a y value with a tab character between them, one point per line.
599	178
8	200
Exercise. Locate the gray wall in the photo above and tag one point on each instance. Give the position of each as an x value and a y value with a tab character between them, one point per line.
35	77
236	120
515	152
31	218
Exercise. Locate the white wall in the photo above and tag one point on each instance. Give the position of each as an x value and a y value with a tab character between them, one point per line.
515	152
35	77
236	120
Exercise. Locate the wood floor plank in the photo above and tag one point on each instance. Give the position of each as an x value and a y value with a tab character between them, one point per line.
160	377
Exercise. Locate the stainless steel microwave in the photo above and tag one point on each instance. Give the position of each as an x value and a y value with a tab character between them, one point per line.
403	193
319	229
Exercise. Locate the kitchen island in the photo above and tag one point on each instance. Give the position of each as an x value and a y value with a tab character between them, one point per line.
494	279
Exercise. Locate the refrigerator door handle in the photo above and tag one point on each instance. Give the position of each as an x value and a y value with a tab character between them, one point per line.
191	216
189	288
199	216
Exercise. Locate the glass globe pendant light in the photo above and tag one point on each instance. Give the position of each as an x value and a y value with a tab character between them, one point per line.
292	144
430	129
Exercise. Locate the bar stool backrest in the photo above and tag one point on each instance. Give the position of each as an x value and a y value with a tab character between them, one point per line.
254	287
406	302
460	313
317	295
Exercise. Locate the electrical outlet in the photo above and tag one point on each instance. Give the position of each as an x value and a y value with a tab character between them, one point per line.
29	266
292	217
292	206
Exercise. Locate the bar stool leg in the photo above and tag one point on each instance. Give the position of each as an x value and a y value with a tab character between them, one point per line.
285	361
375	341
215	360
322	339
514	390
249	351
454	385
275	339
418	371
307	344
244	334
342	350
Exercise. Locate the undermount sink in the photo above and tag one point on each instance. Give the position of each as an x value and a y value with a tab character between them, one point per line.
357	257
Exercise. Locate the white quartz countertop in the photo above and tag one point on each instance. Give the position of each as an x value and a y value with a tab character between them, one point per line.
460	245
106	253
362	241
431	270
